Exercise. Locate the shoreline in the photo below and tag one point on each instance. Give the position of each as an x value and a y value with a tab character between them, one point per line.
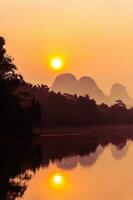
86	130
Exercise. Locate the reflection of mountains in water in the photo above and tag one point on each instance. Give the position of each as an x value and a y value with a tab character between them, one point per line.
85	150
21	160
67	83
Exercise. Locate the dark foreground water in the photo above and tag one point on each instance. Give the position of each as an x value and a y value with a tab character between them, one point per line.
67	167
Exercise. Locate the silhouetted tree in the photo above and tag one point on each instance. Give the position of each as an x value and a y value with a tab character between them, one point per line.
15	108
23	105
70	110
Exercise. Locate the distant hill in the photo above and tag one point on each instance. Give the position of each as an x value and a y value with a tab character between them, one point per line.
65	83
87	85
68	83
118	91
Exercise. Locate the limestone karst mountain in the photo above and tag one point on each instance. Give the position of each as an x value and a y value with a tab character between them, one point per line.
118	91
87	85
65	83
68	83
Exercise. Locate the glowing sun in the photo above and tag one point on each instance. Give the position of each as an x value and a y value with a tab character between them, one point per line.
58	181
57	63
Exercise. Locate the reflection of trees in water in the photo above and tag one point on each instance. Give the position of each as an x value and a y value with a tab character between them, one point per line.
67	154
20	162
18	185
16	168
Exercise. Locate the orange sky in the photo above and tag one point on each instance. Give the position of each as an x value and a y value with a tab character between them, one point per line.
94	36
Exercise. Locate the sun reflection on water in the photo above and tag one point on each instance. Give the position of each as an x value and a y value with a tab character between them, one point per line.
58	180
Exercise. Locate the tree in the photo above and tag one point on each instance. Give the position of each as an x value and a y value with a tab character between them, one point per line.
8	69
15	108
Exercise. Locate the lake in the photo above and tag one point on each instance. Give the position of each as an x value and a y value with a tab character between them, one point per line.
68	167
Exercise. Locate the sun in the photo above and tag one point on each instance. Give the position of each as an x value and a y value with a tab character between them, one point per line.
57	63
58	180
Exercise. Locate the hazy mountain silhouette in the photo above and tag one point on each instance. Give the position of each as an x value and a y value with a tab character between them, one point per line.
67	83
87	85
118	91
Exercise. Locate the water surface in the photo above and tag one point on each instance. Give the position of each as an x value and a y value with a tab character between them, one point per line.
64	168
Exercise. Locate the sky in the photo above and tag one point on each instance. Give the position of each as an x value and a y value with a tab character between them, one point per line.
95	38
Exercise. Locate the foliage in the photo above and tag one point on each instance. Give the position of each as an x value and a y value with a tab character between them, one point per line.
70	110
23	105
16	115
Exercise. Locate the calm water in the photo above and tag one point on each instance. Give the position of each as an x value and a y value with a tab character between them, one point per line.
68	168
